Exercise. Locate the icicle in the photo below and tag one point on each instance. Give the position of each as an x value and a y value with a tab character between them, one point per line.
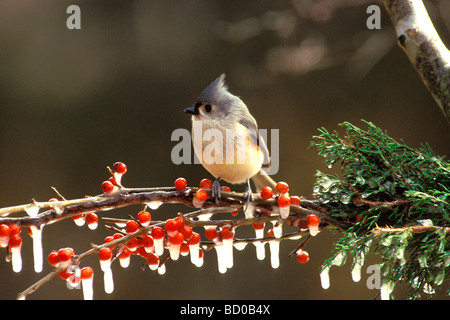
356	272
159	246
194	253
227	243
118	178
15	247
220	257
313	231
239	245
200	258
277	229
358	262
105	266
155	204
428	289
174	251
79	220
338	260
16	259
124	261
37	248
108	280
260	250
88	288
32	210
274	246
386	289
325	278
162	269
121	224
204	217
228	252
249	212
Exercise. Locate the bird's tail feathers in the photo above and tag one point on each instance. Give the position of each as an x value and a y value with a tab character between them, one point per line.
261	179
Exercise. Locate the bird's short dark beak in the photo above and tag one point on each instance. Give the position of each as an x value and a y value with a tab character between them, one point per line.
191	110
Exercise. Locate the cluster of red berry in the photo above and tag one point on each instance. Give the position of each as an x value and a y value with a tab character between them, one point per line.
284	202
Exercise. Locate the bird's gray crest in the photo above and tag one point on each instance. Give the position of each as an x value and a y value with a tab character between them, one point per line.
215	92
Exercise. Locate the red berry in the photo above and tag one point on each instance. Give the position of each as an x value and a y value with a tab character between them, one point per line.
53	258
92	220
201	195
126	253
226	233
177	239
144	217
234	213
78	216
211	233
153	261
184	249
107	186
282	187
171	226
132	226
120	167
302	224
180	221
14	230
206	184
186	231
87	273
295	200
312	220
270	233
105	254
194	239
65	254
117	236
225	188
109	239
147	241
258	225
284	201
180	184
65	274
132	244
359	217
4	230
266	193
158	233
302	256
113	181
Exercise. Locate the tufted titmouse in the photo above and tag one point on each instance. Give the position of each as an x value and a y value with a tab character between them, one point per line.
226	139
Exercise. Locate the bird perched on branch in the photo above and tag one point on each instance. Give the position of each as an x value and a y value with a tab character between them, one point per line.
227	141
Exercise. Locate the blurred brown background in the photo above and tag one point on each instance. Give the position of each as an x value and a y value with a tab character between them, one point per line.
75	101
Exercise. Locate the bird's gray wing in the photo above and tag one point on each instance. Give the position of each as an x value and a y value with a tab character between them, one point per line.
255	136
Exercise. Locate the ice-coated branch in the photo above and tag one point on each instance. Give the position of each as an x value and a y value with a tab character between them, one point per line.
420	41
160	241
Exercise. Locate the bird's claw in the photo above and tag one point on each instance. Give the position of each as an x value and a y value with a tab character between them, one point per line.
249	198
215	190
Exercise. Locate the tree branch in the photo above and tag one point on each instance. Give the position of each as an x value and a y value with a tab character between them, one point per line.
418	38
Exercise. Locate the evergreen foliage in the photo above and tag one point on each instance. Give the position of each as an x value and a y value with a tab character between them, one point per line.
397	202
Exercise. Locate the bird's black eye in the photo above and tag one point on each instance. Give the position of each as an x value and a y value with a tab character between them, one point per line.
208	107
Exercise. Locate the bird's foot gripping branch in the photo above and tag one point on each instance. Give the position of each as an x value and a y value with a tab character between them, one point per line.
389	199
